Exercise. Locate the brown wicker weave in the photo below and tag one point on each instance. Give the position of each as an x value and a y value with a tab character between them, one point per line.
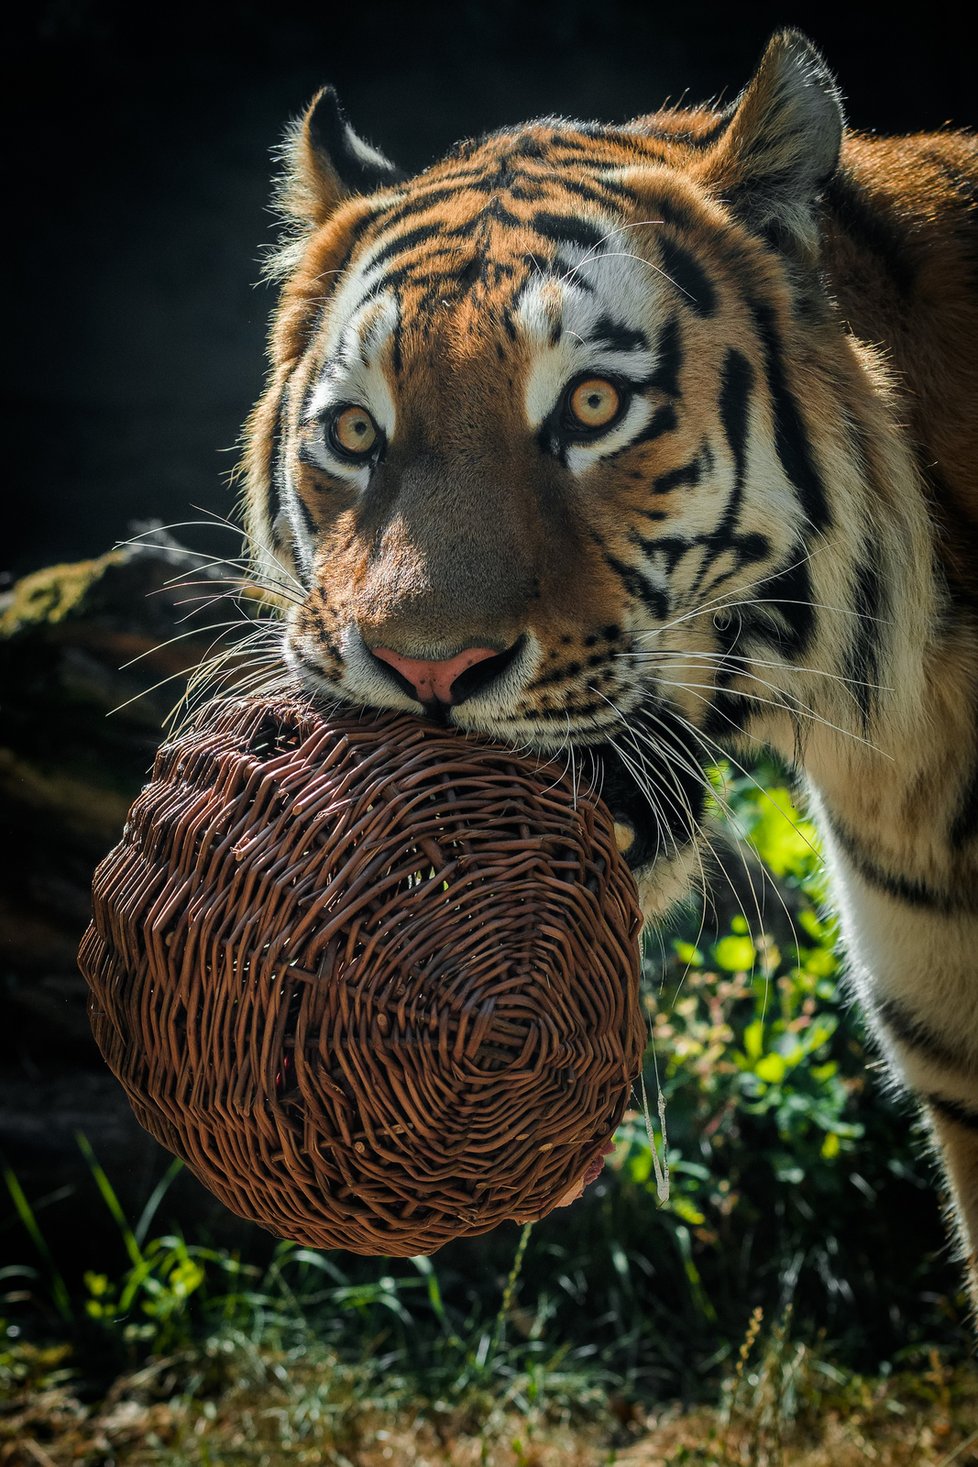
376	983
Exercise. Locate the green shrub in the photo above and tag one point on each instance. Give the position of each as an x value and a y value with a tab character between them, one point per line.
795	1173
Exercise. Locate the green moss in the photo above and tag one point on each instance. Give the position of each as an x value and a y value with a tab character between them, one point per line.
51	595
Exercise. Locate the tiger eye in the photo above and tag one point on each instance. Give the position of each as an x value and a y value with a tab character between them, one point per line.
594	403
353	431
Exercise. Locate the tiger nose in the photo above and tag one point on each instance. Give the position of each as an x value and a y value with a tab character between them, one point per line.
438	681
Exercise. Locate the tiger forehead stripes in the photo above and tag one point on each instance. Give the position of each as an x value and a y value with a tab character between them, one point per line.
648	444
549	294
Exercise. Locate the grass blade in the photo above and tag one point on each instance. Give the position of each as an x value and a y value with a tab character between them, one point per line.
59	1289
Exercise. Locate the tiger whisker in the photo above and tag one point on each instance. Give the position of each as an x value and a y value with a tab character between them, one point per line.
643	780
182	637
735	825
593	251
253	540
244	583
795	708
785	700
750	661
144	540
646	787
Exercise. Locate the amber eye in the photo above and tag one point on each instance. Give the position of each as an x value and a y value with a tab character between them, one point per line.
353	432
593	403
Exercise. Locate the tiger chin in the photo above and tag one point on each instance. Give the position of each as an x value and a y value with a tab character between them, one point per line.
645	444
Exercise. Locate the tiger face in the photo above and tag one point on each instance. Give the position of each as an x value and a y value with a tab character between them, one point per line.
528	459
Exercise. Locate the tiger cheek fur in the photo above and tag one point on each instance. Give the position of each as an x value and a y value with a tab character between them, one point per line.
651	443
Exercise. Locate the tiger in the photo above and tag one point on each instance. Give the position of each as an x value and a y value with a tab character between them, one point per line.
651	444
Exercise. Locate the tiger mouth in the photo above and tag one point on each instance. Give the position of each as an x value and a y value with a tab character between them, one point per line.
651	778
656	788
638	827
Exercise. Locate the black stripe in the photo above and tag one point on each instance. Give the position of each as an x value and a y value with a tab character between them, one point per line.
790	434
862	656
306	513
427	199
690	473
704	139
494	213
904	889
580	140
505	183
305	456
686	272
354	235
638	585
965	826
415	273
564	227
573	272
752	548
404	242
663	210
673	547
617	337
729	711
745	550
729	714
953	1110
736	388
788	592
527	146
417	277
669	360
663	420
559	716
872	229
601	191
273	489
713	133
460	177
913	1033
610	191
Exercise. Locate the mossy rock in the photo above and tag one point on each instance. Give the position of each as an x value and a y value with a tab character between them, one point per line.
80	727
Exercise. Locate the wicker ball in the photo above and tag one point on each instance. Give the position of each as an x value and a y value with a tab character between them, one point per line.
376	983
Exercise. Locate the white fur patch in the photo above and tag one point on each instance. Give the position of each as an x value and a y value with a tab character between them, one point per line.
620	293
355	375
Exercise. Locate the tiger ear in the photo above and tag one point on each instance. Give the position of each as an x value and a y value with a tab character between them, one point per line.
327	162
781	144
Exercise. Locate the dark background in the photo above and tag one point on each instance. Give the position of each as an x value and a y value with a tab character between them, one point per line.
138	177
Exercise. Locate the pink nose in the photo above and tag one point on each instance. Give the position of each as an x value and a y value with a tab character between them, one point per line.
433	680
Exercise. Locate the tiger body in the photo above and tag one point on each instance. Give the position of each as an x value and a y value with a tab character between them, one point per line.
659	441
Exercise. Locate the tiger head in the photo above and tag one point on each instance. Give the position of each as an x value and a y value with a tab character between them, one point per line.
535	429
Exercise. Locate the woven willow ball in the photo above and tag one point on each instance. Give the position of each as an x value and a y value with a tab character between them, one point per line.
376	983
